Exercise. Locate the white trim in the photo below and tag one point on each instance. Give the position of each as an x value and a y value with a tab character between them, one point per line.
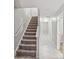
37	36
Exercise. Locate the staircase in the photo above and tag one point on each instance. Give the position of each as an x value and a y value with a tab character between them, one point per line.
27	48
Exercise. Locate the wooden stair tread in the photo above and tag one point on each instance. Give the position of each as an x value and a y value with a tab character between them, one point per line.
29	51
26	58
30	32
28	40
29	35
27	44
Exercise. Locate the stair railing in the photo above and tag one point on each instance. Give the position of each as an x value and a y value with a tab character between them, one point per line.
37	36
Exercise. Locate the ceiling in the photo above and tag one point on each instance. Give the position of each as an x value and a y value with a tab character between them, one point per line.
45	7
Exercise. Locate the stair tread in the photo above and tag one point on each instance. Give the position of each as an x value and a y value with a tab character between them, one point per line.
30	32
29	35
27	44
26	58
31	29
32	25
28	40
26	37
29	51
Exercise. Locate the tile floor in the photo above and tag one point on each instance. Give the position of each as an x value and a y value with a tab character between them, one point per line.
46	49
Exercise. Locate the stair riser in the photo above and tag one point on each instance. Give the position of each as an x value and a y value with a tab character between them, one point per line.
29	37
33	23
27	47
30	30
33	20
25	54
30	33
28	42
32	27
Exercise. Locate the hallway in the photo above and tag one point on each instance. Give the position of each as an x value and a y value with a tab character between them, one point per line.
46	45
48	39
37	37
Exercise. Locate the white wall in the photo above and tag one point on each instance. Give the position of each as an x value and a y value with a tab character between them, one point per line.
60	29
52	29
48	38
21	19
22	16
46	7
34	11
44	26
48	31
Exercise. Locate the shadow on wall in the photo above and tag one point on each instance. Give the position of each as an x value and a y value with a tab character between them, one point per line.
15	3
